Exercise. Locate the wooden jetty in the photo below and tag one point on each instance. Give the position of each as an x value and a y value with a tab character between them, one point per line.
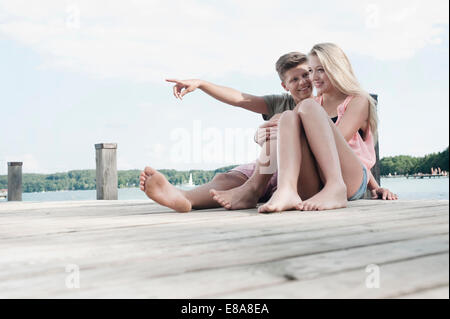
426	176
138	249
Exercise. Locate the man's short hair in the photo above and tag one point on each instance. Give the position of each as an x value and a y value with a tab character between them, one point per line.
289	61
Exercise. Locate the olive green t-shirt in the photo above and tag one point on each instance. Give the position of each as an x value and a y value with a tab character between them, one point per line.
278	103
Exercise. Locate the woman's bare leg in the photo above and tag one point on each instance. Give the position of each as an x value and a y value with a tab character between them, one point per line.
247	195
341	168
157	187
290	146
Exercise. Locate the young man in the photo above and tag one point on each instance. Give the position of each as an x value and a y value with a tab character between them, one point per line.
292	69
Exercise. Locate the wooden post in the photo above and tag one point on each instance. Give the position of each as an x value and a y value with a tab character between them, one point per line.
376	168
15	181
106	171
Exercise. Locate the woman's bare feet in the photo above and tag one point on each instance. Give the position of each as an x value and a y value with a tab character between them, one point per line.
242	197
157	187
281	200
332	196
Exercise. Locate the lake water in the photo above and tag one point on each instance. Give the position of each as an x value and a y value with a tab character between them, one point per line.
434	188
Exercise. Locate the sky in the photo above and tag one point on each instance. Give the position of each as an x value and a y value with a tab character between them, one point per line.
77	73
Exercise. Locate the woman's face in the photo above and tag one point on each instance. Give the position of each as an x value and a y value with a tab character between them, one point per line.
318	76
298	83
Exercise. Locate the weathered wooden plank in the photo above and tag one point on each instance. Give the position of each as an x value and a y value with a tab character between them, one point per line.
121	247
395	279
76	221
165	262
134	281
441	292
170	236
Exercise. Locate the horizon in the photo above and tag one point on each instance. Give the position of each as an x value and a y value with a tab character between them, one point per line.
220	167
79	73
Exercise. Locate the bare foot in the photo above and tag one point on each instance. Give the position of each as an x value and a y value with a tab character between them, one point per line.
157	187
332	196
282	200
242	197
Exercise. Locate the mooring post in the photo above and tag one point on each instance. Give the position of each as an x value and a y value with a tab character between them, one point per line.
376	168
15	181
106	171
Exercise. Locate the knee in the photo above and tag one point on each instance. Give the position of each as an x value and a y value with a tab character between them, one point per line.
289	119
220	177
307	106
288	116
229	178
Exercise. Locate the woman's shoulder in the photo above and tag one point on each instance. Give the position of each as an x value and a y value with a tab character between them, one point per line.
359	101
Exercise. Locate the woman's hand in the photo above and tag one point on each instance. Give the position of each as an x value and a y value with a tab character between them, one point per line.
183	87
383	193
267	131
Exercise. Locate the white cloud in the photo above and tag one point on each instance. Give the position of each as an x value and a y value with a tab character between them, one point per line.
150	40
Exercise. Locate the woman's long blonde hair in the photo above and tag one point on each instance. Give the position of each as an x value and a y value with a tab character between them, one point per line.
340	72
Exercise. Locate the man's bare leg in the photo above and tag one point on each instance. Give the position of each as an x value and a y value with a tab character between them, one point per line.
200	197
158	188
247	195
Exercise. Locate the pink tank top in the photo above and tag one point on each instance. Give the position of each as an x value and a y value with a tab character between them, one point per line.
364	149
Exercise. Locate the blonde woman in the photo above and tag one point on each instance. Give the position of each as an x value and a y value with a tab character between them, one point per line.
344	150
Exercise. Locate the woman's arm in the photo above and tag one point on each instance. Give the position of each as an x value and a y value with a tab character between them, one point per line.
355	117
224	94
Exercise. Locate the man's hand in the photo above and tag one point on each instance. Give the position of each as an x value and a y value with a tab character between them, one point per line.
383	193
267	131
183	87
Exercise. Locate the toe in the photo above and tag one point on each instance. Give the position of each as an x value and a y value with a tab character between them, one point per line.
213	192
149	171
263	209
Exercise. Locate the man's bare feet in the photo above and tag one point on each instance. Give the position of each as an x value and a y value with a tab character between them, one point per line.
242	197
332	196
157	187
281	200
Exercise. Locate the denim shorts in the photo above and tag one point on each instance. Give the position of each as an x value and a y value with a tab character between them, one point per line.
362	189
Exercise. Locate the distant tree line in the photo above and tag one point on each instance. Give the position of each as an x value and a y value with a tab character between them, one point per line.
85	179
404	164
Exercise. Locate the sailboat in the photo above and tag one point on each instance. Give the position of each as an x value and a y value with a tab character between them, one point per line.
189	184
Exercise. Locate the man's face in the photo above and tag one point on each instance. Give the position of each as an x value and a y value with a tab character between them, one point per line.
298	83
